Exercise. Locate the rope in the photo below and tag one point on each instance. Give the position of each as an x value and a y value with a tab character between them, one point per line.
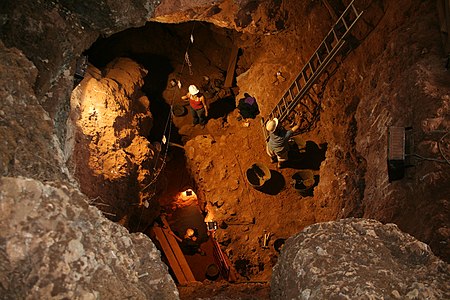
246	186
169	122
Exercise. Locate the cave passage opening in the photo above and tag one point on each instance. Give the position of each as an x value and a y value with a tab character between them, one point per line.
152	66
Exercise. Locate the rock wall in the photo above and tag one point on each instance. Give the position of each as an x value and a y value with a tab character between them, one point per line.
358	259
107	144
54	245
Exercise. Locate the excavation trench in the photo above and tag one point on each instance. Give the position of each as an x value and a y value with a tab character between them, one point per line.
127	114
137	150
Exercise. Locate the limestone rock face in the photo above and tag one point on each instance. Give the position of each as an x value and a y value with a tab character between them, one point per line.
54	245
106	139
28	146
358	259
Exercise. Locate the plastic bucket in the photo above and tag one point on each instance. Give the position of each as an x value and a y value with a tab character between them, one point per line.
303	182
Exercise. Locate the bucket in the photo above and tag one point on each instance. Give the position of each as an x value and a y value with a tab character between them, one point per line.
257	175
278	244
212	272
303	182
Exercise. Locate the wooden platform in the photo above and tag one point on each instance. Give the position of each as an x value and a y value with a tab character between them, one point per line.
172	251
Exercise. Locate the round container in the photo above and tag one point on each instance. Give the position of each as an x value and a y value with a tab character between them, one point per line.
212	272
257	175
278	244
303	182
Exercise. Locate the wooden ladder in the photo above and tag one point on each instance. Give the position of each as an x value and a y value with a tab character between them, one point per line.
317	63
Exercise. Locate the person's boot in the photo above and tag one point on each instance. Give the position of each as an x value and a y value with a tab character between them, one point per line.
273	159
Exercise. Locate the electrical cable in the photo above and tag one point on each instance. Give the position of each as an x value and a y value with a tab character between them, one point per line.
440	148
426	158
445	160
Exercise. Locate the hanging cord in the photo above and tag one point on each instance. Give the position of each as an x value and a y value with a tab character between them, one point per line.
168	125
246	187
186	55
445	160
440	148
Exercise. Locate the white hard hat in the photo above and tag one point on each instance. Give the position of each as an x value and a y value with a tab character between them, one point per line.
190	232
272	125
193	90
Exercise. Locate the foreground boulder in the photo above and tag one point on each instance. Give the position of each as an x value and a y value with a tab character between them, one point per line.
54	245
358	259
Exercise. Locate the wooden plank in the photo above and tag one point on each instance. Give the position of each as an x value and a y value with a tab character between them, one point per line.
173	262
443	7
178	253
231	67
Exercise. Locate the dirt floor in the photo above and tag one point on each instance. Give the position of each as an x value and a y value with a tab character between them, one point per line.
342	149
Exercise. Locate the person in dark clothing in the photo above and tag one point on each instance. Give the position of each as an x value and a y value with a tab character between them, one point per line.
248	108
278	144
189	243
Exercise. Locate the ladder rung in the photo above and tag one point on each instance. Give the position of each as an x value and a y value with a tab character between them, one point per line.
345	24
318	58
311	67
284	102
354	9
333	42
290	94
297	86
334	34
294	91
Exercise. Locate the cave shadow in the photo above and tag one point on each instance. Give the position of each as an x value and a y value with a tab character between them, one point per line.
274	185
307	156
155	82
222	107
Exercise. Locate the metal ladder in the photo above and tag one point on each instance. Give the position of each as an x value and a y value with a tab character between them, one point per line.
318	62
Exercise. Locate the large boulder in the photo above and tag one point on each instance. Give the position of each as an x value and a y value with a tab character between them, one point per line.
358	259
54	245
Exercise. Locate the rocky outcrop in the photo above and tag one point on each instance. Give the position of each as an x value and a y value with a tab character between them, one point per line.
54	245
358	259
106	141
28	145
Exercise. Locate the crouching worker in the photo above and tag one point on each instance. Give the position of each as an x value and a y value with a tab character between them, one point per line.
197	106
278	144
189	244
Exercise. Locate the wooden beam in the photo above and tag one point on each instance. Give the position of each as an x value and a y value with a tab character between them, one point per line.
173	262
444	22
173	253
178	253
231	67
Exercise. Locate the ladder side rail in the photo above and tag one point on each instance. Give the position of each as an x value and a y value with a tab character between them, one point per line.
322	66
310	82
273	111
330	33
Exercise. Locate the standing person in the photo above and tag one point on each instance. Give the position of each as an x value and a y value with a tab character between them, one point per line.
278	144
197	104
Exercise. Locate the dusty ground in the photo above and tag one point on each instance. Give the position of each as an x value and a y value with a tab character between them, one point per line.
346	149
